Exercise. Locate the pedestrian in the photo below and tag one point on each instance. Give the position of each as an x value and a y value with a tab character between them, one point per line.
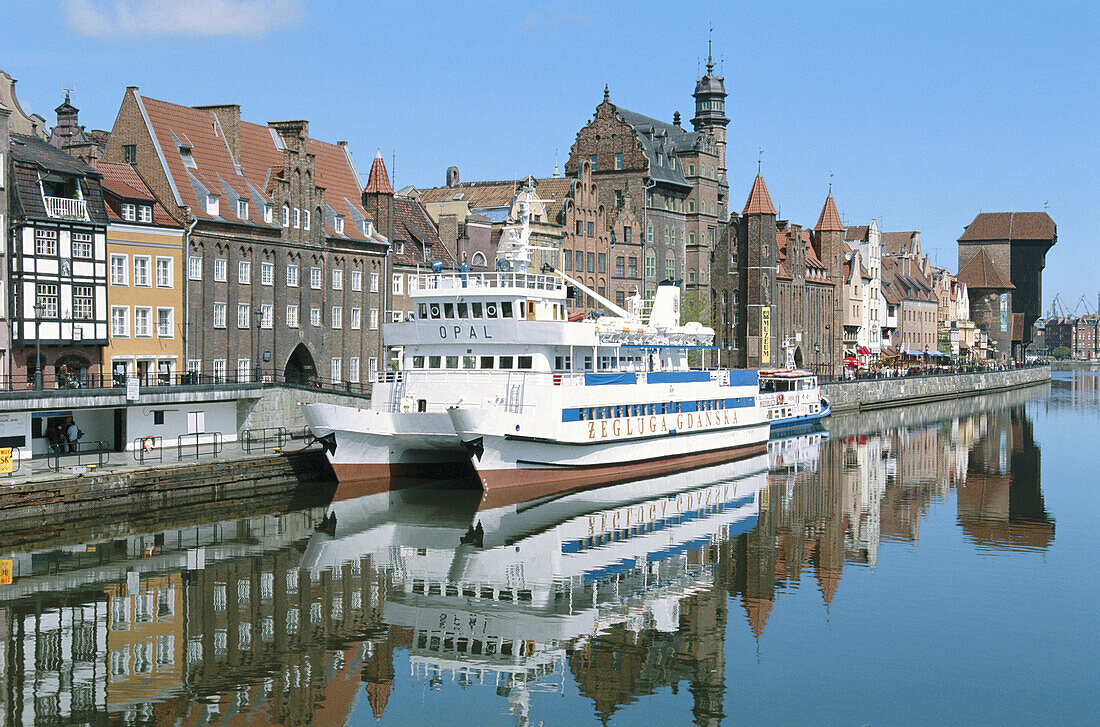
72	434
62	376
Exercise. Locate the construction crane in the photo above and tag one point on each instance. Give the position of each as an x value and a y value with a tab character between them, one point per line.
1057	308
1082	303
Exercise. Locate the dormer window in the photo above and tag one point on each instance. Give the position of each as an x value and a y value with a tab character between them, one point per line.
368	228
660	159
129	211
339	224
188	160
242	209
213	204
268	211
145	213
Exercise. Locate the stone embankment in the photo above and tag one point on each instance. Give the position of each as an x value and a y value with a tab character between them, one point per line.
866	394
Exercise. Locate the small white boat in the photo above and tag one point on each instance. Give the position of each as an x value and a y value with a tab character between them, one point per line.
791	399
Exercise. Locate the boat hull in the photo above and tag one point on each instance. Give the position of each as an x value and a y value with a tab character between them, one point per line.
791	424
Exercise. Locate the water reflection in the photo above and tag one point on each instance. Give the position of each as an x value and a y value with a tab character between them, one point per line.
609	596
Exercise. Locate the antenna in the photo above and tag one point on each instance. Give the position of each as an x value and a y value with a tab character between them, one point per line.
759	161
393	169
68	91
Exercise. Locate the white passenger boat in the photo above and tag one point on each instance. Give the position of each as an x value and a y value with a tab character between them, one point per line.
494	374
791	399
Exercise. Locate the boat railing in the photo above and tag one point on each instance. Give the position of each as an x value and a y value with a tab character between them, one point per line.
429	283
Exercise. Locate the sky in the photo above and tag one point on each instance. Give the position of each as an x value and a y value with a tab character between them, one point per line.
921	115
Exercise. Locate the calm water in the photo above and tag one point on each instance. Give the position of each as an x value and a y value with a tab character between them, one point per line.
929	565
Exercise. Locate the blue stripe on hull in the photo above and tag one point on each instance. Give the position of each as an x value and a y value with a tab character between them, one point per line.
801	421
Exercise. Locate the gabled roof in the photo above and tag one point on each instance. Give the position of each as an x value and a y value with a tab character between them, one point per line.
123	182
658	139
416	236
33	151
829	221
498	194
759	201
894	243
1010	226
981	273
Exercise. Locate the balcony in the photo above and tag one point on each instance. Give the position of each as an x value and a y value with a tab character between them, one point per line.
65	208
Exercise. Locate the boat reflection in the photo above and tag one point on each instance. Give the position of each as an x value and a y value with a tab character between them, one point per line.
297	617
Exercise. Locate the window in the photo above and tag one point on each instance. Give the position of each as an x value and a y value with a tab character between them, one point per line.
267	315
244	369
338	279
315	317
164	272
118	269
164	322
580	227
356	318
219	369
374	319
632	267
129	211
267	212
194	267
649	233
660	159
339	226
297	218
267	273
591	229
567	255
691	205
305	219
337	316
592	159
143	322
601	259
374	282
691	170
82	245
141	270
242	208
242	315
292	316
244	272
291	276
397	278
353	369
221	270
315	278
620	298
45	242
620	266
219	315
213	205
286	215
357	280
395	316
335	369
368	228
650	265
618	160
372	369
129	153
591	262
82	302
120	321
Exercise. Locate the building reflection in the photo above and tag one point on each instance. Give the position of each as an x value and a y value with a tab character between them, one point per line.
298	618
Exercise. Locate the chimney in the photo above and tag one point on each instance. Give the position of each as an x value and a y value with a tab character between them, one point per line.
229	119
295	134
452	176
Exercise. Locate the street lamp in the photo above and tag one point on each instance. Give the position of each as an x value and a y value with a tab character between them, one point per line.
259	313
817	358
37	345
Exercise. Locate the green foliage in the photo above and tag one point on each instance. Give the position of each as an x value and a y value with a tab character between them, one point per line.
1062	352
695	307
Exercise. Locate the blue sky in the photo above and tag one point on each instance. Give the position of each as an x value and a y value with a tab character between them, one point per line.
921	114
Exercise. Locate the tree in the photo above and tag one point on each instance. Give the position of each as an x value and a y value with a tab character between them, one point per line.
695	307
1062	352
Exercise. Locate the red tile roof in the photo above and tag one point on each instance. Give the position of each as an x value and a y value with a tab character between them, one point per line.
982	273
857	232
122	182
759	201
379	180
829	221
1010	226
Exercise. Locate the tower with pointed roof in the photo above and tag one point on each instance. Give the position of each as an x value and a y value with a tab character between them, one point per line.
758	234
710	111
829	239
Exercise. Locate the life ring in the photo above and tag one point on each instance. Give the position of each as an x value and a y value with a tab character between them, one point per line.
780	398
148	443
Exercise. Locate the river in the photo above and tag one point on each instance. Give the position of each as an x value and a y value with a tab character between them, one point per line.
921	565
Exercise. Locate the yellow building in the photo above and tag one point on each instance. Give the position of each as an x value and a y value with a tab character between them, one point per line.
145	272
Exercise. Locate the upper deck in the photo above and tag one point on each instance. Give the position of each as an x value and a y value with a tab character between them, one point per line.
450	284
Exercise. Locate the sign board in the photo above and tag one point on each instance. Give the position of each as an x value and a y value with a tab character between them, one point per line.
133	388
1004	311
765	335
5	461
5	572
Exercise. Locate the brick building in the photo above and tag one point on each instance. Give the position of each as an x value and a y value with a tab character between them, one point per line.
914	307
282	258
805	300
1016	243
990	293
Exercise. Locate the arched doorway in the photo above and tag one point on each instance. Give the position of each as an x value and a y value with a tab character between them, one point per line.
300	368
71	371
798	357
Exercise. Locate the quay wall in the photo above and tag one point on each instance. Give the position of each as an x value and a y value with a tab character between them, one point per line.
862	395
277	406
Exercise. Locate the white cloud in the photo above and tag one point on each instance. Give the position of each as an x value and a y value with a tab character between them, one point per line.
107	18
546	18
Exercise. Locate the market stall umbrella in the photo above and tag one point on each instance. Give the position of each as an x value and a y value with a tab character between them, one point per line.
851	361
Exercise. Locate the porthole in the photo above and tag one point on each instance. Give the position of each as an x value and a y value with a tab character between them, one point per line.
491	310
435	310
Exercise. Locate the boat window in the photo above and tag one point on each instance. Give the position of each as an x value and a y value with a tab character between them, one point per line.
423	311
524	362
505	362
475	310
490	310
434	361
469	362
463	310
486	362
587	363
435	311
452	362
582	413
418	362
506	309
448	310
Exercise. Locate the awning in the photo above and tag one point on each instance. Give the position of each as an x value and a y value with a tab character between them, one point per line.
851	361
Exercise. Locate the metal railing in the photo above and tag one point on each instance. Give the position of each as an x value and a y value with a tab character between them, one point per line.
96	382
84	452
197	444
427	283
261	440
63	207
149	448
